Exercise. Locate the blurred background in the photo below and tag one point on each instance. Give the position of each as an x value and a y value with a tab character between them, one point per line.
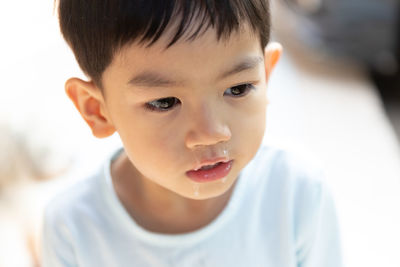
335	94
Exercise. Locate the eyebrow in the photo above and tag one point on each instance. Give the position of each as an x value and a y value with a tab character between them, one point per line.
246	64
154	79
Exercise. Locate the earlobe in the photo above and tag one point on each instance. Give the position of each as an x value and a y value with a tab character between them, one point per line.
272	54
88	100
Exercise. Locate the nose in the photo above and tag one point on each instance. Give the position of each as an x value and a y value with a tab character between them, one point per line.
207	128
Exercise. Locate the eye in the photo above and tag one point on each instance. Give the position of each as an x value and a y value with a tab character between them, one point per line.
162	104
239	90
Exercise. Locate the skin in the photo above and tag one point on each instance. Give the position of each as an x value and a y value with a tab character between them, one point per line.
160	147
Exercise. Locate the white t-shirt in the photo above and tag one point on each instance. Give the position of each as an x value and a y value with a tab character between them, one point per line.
280	214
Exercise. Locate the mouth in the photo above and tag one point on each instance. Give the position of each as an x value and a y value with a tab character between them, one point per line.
210	171
210	163
209	167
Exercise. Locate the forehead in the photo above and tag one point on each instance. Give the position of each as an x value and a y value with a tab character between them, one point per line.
190	60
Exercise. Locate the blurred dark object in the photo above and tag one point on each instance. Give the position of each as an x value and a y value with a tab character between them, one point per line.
388	85
364	31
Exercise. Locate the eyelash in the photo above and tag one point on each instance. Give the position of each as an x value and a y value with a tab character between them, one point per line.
246	86
152	107
173	101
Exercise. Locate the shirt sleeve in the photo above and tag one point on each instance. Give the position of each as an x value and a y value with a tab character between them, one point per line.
57	250
321	244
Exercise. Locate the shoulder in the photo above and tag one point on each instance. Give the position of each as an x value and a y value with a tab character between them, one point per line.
61	215
290	177
293	196
74	202
297	181
287	165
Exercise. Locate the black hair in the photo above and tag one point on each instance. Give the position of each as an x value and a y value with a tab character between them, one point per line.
96	29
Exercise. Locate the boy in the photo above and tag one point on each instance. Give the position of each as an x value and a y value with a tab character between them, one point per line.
184	85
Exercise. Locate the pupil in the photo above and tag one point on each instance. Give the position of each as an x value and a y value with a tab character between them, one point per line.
166	103
236	90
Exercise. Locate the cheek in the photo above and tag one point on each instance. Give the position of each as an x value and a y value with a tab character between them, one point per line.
249	121
151	153
150	142
252	125
252	111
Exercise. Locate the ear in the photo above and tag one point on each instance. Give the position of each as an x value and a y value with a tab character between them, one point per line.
272	54
89	101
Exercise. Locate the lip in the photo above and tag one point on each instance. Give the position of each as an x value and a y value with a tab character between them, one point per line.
210	162
215	173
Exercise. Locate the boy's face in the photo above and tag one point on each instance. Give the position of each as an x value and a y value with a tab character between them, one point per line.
195	101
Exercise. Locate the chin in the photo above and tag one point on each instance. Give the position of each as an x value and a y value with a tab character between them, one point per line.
209	191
